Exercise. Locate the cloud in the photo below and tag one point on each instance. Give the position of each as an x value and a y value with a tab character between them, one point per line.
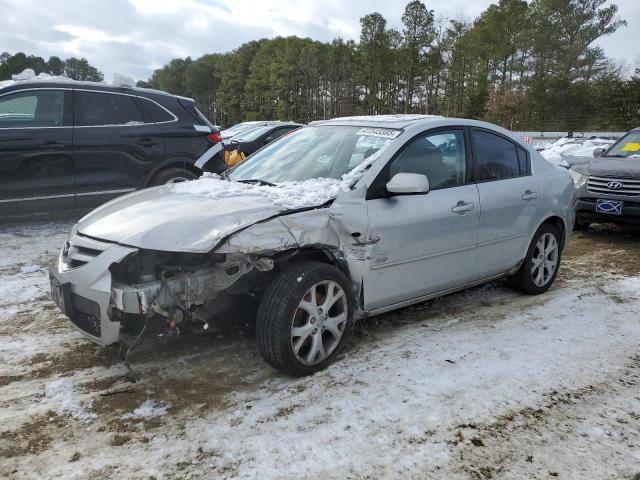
135	36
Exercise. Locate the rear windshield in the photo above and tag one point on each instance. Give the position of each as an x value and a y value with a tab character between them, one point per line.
252	134
627	147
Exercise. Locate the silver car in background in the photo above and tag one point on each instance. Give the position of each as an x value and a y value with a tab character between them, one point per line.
342	219
608	185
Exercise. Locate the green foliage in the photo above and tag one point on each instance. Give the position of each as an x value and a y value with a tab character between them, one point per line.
74	68
523	64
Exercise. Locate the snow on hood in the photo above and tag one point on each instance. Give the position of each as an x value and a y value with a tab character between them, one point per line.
195	216
555	152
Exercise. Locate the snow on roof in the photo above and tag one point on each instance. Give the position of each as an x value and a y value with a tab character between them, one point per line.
28	76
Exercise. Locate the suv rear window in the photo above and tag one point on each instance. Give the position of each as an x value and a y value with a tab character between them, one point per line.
97	108
156	112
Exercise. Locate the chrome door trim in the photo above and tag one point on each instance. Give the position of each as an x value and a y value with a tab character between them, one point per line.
67	195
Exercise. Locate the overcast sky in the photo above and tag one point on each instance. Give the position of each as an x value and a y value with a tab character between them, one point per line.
133	37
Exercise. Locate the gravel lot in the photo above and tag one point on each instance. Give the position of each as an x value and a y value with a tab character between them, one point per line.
482	384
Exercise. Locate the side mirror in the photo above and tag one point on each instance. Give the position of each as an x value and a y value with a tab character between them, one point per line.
408	183
599	151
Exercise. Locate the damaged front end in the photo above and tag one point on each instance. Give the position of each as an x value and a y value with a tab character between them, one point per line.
123	290
165	292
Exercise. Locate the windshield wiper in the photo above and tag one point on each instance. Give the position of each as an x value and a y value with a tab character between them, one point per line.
616	156
257	181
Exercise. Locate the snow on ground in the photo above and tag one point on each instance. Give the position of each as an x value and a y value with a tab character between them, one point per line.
482	384
571	147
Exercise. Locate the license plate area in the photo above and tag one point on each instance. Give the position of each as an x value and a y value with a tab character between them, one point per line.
610	207
61	294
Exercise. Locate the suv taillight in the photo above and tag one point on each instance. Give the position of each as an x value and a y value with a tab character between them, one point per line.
215	137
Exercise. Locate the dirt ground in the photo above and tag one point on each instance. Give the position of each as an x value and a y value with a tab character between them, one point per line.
482	384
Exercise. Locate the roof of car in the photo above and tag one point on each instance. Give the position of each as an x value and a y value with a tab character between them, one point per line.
379	121
41	81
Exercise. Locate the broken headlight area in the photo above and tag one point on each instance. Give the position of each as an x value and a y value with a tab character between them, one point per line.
164	292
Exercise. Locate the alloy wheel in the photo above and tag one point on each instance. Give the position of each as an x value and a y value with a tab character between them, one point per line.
544	260
319	322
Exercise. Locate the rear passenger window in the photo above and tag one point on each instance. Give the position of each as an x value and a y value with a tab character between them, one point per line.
156	112
497	158
523	161
107	109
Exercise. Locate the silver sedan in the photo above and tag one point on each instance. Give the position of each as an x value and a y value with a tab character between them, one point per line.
337	221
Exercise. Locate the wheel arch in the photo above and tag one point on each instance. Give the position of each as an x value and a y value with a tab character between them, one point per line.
559	224
186	164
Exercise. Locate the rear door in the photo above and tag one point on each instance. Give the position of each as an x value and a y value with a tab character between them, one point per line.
115	145
510	199
36	163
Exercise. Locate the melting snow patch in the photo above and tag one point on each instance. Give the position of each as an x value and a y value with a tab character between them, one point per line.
147	409
62	392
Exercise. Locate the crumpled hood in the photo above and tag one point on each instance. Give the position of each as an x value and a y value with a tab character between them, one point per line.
168	219
609	167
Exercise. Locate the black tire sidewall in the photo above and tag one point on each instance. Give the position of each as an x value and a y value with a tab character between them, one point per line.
527	283
163	176
287	290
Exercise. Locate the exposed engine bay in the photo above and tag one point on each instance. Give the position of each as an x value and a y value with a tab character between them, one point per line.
167	291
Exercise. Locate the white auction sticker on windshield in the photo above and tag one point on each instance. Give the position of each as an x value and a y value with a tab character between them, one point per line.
379	132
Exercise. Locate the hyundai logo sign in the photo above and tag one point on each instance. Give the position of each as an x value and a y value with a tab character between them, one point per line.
614	185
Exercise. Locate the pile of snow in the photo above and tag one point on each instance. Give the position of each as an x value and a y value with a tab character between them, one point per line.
290	195
147	409
571	147
62	393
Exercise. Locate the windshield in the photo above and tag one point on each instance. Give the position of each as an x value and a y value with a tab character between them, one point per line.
627	147
314	152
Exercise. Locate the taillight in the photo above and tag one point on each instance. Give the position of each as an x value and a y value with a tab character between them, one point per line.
215	137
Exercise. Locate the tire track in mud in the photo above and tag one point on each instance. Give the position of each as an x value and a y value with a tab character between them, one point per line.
522	441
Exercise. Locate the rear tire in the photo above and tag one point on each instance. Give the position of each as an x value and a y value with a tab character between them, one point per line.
304	317
172	175
541	264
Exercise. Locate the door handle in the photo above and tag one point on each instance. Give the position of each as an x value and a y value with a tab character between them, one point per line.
462	207
529	195
146	142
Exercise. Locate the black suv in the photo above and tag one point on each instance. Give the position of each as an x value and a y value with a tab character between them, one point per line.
75	145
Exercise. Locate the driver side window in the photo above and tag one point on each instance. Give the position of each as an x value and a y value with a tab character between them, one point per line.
438	155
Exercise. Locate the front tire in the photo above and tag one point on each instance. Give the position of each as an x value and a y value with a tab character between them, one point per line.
541	264
303	318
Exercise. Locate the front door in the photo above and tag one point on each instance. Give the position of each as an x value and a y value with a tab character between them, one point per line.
422	244
36	164
115	146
